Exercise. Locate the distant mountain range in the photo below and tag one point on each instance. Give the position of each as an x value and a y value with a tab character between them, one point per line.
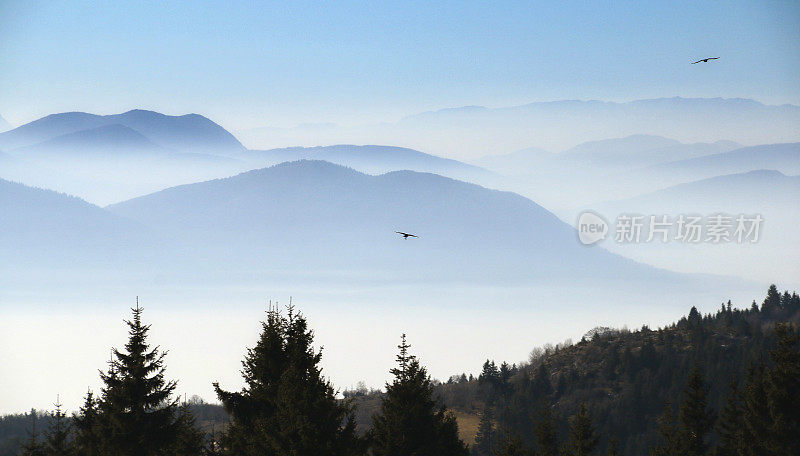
163	151
337	212
42	228
372	159
475	131
781	157
769	194
189	133
630	152
751	192
314	215
116	157
108	140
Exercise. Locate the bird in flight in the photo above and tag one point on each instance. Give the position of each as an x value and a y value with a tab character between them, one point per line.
406	235
705	60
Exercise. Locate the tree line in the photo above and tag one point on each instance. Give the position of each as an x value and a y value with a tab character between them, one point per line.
612	393
648	392
285	408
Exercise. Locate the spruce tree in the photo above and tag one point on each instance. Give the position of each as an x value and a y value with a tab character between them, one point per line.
783	392
485	435
756	417
137	414
772	302
287	407
730	427
545	431
695	418
57	438
512	445
33	447
671	435
409	421
189	440
86	426
582	437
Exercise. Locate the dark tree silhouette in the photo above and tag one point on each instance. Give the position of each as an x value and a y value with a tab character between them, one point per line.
582	437
137	413
57	437
730	426
287	407
484	439
409	421
696	419
783	392
87	441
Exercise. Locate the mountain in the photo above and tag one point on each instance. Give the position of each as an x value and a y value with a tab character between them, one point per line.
187	133
372	159
751	191
113	158
767	194
639	150
625	377
473	131
614	154
113	139
781	157
314	215
42	228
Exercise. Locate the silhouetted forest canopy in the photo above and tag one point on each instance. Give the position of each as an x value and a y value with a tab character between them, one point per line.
726	383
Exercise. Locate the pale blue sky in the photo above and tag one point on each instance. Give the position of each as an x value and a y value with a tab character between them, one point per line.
248	64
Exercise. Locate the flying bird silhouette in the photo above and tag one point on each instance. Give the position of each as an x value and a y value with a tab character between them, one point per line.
406	235
705	60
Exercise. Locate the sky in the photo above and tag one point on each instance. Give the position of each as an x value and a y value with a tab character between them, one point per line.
252	64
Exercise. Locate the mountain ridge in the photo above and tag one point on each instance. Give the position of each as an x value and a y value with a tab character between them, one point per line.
189	132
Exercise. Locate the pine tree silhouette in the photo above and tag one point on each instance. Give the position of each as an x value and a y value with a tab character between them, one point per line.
484	438
582	437
137	412
696	419
757	419
546	431
730	426
57	438
87	427
287	407
673	443
409	421
33	447
783	392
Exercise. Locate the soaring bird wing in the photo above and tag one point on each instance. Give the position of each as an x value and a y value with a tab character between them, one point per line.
705	60
406	234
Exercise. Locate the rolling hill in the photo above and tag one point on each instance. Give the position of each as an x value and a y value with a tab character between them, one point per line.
314	215
188	133
373	159
475	131
42	228
781	157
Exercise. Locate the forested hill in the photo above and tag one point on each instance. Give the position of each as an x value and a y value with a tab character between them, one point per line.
625	378
613	385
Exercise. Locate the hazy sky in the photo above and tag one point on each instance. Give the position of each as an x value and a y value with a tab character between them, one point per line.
247	64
